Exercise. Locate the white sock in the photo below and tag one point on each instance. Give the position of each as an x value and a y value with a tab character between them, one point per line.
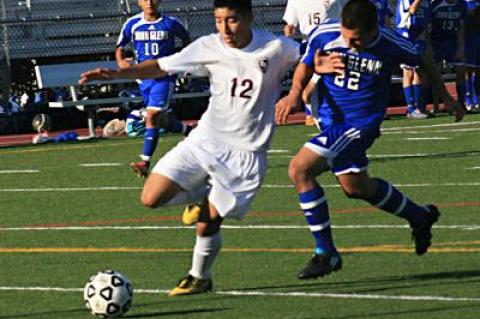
204	253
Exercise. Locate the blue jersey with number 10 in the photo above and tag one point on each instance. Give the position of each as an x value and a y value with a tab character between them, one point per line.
361	96
151	39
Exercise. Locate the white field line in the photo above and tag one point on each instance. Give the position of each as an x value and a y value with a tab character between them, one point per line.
278	151
427	138
19	171
373	156
412	130
298	294
475	167
449	131
129	188
234	227
99	164
430	126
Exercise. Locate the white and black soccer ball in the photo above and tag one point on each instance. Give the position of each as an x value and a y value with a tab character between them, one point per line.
42	123
108	294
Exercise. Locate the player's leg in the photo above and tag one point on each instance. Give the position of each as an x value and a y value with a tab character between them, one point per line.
157	95
318	155
470	90
407	89
207	246
417	88
303	170
387	197
161	96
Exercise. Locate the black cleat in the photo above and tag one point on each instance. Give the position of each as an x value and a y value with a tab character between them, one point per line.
321	265
422	235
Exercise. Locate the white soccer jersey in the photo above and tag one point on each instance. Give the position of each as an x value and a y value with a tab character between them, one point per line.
244	85
307	14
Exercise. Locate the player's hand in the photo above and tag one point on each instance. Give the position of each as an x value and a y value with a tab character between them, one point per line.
97	74
284	107
331	63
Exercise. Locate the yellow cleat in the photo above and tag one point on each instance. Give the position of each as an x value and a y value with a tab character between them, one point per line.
191	214
191	285
309	121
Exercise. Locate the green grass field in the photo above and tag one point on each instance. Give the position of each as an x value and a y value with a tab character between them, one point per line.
63	217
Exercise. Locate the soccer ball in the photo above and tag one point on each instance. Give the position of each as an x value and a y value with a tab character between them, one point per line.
42	123
108	294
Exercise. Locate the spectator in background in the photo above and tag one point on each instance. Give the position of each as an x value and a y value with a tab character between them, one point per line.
412	21
153	36
384	13
447	40
13	106
472	56
304	16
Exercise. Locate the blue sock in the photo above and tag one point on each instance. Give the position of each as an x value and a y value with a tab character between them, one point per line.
469	89
149	143
391	200
409	98
174	124
417	97
475	98
315	209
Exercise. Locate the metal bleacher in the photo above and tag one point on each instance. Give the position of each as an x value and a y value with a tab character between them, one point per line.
52	28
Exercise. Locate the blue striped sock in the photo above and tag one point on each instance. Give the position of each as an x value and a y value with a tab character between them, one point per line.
391	200
315	209
150	143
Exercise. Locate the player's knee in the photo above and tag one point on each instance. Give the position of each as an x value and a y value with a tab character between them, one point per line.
151	200
297	172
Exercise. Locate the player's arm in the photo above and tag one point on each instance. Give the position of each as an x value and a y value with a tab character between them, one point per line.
293	101
414	6
120	57
429	68
146	70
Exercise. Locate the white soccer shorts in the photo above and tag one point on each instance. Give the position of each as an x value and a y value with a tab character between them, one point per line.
234	175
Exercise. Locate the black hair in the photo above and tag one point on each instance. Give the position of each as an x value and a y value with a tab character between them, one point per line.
359	14
241	6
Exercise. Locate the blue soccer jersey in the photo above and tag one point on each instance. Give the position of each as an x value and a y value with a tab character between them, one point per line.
472	4
151	39
361	97
412	26
447	17
383	11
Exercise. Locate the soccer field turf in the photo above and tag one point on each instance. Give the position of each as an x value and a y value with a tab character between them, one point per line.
70	210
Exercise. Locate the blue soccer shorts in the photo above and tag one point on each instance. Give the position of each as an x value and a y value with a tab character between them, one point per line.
157	93
344	147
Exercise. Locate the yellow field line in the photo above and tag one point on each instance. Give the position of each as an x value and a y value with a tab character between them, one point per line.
360	249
